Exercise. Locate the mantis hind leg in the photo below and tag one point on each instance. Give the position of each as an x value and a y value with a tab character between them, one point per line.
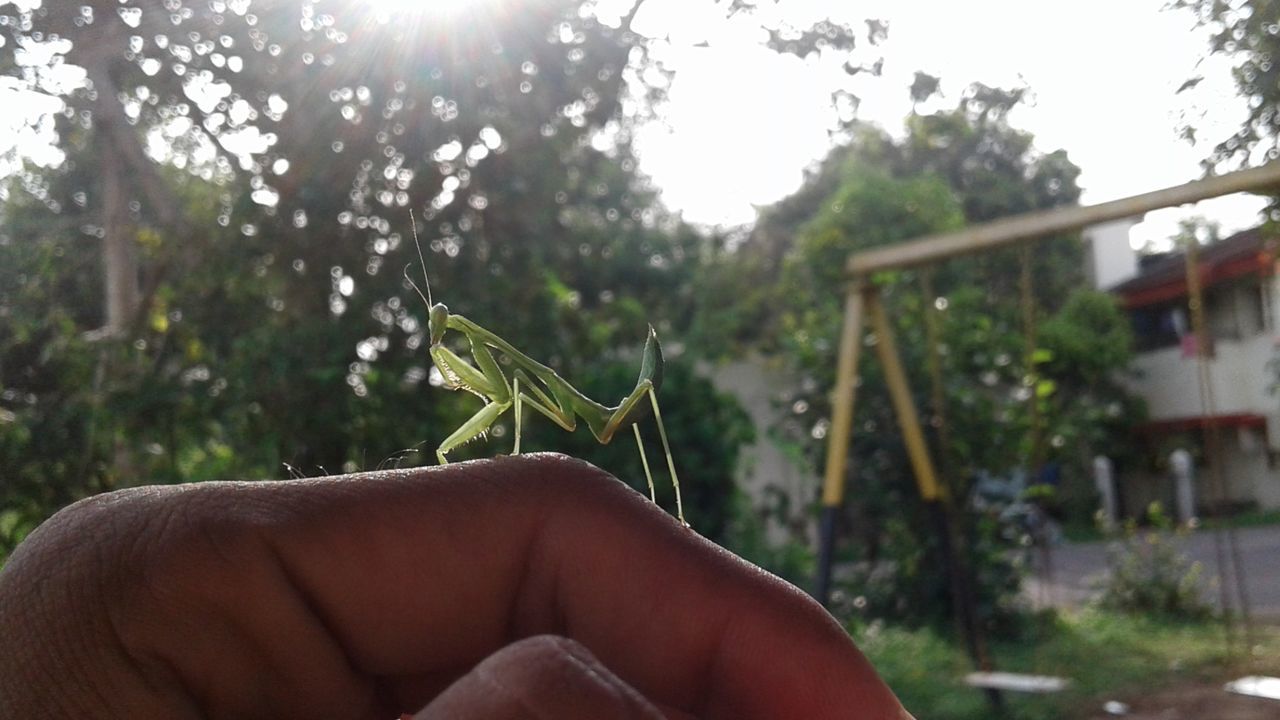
671	463
631	411
539	400
644	460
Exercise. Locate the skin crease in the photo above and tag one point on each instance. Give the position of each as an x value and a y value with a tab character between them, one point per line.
521	587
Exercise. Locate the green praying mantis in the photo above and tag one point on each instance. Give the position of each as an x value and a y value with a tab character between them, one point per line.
536	385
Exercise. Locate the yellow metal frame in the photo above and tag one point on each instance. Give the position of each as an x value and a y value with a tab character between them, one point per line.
862	298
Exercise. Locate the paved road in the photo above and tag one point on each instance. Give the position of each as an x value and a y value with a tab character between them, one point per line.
1077	566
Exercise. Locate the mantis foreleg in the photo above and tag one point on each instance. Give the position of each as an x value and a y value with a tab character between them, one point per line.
471	429
515	392
488	381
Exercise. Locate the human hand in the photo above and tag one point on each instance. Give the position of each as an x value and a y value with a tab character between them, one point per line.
520	587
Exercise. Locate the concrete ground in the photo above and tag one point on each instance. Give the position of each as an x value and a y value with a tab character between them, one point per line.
1074	568
1192	701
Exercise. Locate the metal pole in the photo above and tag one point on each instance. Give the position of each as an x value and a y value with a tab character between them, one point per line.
903	406
1213	453
988	236
839	435
931	491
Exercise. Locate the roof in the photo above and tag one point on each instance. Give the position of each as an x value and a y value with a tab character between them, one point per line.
1247	252
1183	424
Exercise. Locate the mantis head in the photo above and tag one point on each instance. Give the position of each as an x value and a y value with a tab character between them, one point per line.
437	319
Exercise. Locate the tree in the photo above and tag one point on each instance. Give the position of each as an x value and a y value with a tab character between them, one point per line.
952	168
990	166
1246	33
259	85
249	168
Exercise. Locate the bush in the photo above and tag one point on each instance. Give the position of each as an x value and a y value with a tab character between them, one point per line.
1148	575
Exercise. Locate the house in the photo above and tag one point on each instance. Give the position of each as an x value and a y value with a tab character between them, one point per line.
1239	281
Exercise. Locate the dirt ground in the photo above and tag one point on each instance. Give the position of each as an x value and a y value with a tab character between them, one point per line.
1194	701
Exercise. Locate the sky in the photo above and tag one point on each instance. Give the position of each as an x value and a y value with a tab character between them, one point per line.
742	122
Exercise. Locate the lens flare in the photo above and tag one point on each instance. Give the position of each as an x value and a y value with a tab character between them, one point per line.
394	9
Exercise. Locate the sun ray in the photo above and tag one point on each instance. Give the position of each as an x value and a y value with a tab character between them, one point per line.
436	9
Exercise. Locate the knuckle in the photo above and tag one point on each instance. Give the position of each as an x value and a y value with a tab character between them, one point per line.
575	485
194	543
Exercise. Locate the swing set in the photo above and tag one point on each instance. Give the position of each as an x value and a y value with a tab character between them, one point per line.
863	304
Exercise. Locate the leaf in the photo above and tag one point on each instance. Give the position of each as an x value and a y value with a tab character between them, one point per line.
159	322
1189	84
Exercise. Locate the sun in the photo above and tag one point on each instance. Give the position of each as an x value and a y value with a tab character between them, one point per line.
393	9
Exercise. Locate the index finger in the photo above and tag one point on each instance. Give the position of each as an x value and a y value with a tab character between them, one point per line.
513	547
408	578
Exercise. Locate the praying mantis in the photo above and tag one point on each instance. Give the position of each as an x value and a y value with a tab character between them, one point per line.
536	385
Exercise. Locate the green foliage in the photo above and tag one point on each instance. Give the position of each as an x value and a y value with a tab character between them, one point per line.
870	209
924	670
1147	573
1105	655
1087	339
991	165
1087	346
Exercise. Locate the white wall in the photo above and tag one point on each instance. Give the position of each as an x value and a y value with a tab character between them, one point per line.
1238	373
766	466
1110	259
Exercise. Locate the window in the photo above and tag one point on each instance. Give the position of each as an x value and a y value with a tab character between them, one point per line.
1159	326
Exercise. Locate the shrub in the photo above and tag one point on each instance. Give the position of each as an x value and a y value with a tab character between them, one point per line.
1149	575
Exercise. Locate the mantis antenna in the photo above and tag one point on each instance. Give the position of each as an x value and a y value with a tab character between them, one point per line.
421	260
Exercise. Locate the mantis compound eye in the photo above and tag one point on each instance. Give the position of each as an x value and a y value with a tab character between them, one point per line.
437	319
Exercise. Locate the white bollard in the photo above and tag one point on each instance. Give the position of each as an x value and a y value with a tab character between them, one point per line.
1104	481
1184	476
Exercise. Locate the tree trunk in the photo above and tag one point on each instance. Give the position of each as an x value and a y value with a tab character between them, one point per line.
119	248
127	174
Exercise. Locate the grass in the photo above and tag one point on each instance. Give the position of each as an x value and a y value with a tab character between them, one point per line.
1103	654
1247	519
1080	532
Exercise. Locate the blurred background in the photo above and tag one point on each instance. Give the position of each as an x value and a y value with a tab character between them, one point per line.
205	227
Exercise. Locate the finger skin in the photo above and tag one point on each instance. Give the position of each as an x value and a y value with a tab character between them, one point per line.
366	595
540	678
